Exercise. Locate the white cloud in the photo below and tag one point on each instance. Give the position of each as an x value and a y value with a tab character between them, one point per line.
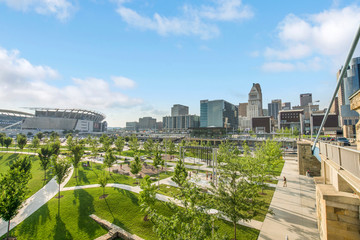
326	35
123	82
194	21
24	84
227	10
62	9
313	64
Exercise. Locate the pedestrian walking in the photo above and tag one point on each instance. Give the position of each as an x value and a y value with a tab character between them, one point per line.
285	183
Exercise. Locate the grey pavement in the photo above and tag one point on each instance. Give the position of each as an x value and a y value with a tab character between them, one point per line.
293	207
34	202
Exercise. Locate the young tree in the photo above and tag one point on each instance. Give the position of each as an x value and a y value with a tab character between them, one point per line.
44	154
24	166
134	144
119	144
94	145
55	148
149	146
180	174
77	152
61	170
21	140
103	181
171	147
191	221
109	160
7	142
40	135
136	165
35	143
2	138
54	136
236	192
12	193
69	142
147	196
157	161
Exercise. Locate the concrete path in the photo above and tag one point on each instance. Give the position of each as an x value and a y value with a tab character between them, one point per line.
34	202
293	207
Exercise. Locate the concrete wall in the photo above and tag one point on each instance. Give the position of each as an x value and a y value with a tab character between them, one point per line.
47	123
306	161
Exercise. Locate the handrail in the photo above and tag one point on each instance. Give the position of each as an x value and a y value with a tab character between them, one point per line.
342	74
347	158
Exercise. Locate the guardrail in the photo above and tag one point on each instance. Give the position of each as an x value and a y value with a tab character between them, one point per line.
346	158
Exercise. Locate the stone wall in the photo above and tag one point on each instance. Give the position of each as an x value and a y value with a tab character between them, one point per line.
306	161
337	212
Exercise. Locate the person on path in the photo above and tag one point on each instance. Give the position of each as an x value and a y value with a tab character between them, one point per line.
285	183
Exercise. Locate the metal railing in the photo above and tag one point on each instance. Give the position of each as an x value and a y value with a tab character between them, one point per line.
348	159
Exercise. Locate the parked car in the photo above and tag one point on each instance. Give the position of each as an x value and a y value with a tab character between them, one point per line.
343	140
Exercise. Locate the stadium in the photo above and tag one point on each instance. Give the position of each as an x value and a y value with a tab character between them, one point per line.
53	119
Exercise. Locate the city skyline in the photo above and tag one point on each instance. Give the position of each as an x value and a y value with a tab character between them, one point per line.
133	59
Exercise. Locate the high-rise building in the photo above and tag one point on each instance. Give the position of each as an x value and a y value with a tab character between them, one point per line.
147	123
274	107
286	106
179	110
350	85
243	109
254	108
218	113
305	99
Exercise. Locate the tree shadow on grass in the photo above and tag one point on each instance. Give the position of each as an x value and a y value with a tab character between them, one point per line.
85	208
60	231
129	194
29	228
82	176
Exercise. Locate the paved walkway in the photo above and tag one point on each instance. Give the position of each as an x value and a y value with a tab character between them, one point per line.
34	202
293	206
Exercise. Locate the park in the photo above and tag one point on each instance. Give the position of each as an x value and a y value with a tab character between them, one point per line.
147	190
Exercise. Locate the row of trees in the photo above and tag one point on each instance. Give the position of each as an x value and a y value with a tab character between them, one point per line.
236	194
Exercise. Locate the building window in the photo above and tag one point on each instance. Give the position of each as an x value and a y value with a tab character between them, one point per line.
345	122
350	122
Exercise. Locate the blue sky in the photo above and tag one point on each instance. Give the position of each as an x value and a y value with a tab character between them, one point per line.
132	58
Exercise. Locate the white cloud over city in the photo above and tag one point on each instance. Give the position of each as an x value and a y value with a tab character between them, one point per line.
306	41
193	21
61	9
25	84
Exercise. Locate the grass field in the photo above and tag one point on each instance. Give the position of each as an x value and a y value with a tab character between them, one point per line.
121	207
36	182
89	175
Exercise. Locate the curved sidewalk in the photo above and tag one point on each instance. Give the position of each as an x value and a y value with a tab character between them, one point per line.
293	207
34	202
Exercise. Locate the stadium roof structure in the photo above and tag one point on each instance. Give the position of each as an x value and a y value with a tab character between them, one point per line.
15	113
70	113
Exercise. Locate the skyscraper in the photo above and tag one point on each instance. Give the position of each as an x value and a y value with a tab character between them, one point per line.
274	107
305	99
255	102
179	110
218	113
350	84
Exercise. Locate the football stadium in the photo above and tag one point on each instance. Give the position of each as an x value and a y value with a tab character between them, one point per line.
53	119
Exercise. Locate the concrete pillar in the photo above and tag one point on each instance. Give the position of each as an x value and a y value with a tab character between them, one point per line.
355	105
306	160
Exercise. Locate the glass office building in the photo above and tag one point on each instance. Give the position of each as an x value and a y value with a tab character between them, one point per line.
218	113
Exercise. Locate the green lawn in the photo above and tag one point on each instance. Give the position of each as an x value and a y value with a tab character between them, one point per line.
121	207
87	175
36	182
